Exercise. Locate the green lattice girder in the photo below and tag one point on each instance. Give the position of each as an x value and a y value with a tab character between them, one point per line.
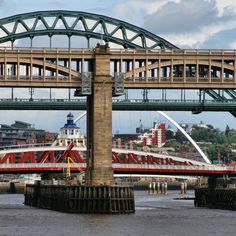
77	23
218	97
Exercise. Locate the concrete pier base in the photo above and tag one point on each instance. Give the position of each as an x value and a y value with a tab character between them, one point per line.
82	199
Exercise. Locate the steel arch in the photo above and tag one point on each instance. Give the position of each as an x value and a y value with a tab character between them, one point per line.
78	23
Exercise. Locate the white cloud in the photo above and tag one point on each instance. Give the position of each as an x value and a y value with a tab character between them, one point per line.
198	38
150	6
190	23
135	11
233	45
225	5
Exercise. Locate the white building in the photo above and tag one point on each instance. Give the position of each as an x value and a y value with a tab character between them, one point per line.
70	133
155	136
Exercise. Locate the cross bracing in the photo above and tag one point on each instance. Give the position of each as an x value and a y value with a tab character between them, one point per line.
73	23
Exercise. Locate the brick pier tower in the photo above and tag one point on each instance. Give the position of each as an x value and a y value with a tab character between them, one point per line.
99	121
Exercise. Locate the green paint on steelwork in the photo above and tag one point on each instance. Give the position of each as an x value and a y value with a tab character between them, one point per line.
71	23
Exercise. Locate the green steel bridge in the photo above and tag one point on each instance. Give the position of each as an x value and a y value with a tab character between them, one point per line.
196	106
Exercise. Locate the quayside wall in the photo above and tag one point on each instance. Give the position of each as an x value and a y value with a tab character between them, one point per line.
81	198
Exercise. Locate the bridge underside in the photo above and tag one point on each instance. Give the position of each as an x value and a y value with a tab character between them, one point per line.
123	105
160	170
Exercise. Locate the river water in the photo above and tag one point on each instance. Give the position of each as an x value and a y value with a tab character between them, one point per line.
155	215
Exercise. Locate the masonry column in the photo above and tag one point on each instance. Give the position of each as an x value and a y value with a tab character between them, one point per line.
99	122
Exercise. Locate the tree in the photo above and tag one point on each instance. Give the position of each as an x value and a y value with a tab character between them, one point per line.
169	134
227	130
180	137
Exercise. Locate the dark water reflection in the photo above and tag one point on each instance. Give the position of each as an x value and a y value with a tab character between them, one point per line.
155	215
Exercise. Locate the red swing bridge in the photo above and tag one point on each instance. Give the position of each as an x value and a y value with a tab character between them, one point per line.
54	159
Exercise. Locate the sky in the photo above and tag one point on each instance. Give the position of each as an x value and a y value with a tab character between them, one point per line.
194	24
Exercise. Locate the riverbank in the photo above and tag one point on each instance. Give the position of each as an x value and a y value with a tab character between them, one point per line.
11	187
20	187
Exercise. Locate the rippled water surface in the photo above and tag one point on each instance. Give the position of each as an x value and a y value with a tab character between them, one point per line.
155	215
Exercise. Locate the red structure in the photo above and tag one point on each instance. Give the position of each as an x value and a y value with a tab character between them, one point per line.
38	160
155	136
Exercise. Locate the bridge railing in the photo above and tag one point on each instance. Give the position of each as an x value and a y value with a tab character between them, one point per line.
119	50
46	49
175	51
58	166
129	100
41	100
12	147
174	167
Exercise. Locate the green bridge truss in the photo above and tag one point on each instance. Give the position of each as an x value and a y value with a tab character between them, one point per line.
71	23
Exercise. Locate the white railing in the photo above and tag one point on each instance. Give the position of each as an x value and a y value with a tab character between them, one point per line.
157	155
174	167
33	145
121	166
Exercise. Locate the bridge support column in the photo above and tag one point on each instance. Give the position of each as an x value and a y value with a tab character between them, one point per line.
212	191
99	122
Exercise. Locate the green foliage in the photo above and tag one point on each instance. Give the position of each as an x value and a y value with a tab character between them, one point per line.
212	141
180	137
173	143
213	136
169	134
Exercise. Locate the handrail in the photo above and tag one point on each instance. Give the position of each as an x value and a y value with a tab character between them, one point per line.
123	166
121	50
130	100
25	146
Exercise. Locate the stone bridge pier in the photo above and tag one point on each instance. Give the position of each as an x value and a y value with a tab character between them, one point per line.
99	122
99	175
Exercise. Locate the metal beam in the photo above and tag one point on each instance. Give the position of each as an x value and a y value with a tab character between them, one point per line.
84	24
120	105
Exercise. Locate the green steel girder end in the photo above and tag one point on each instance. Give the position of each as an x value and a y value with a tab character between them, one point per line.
231	93
215	95
70	23
196	112
233	113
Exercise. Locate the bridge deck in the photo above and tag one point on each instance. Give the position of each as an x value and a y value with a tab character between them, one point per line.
122	169
65	68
